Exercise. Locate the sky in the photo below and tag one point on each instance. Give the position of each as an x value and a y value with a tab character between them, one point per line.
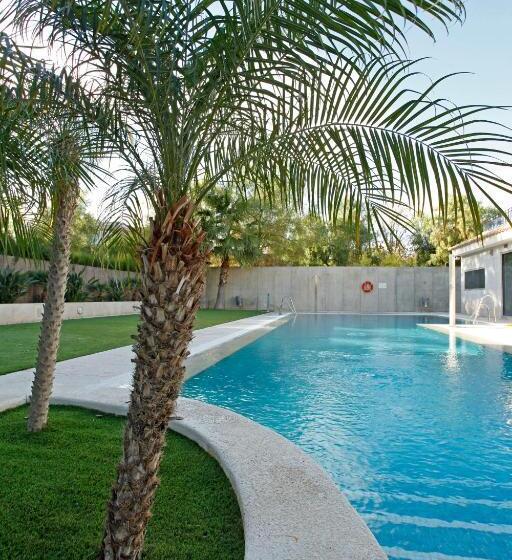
482	48
482	45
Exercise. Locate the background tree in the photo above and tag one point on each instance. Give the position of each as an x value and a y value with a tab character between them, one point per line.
433	237
66	192
283	246
272	94
333	244
295	239
235	229
421	244
85	228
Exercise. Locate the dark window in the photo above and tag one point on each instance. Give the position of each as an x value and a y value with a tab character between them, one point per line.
474	279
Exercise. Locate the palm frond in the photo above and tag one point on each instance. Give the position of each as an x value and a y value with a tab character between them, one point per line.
174	71
48	136
366	140
294	97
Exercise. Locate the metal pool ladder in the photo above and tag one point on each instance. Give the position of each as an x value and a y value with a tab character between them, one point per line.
291	305
487	306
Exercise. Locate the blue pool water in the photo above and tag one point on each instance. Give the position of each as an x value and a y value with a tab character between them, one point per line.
415	430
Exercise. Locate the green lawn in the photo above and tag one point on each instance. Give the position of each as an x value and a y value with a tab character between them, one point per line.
55	486
85	336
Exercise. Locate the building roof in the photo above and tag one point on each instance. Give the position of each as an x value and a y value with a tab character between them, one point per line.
485	235
501	234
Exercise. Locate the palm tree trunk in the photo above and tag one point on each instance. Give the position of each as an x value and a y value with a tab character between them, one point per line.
223	280
49	336
173	277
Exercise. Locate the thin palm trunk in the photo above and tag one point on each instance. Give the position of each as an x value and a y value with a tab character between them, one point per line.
173	278
223	280
49	337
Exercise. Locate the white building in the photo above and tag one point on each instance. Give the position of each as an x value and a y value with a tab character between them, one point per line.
486	274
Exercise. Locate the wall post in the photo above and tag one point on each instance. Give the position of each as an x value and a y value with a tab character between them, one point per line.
453	290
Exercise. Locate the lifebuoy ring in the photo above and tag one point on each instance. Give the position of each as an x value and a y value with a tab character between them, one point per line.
367	287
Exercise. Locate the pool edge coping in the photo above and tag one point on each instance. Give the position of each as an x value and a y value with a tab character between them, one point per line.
470	333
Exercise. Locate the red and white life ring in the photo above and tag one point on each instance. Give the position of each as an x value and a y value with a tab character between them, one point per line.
367	287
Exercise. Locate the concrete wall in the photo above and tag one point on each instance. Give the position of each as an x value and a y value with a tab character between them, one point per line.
11	313
324	289
320	289
102	274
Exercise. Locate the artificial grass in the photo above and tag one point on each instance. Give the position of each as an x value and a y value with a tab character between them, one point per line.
79	337
55	486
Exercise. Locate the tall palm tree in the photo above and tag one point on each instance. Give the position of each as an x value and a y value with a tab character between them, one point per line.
49	153
235	230
67	159
276	93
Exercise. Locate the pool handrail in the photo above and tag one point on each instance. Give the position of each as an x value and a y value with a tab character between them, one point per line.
482	304
291	305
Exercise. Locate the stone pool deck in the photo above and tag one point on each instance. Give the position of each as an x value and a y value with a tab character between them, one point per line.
106	376
495	335
291	508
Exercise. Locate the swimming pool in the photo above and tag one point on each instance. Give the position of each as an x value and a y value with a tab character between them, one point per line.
416	431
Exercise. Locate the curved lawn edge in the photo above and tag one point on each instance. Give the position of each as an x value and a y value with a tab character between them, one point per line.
291	508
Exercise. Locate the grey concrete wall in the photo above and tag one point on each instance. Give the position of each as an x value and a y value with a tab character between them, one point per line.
320	289
324	289
11	313
102	274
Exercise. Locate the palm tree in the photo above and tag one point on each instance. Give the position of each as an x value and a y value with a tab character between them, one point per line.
42	117
66	158
275	93
234	227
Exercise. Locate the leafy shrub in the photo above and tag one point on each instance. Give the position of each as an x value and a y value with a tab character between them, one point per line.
38	279
36	247
76	288
97	290
115	290
120	290
118	262
13	284
40	249
132	288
